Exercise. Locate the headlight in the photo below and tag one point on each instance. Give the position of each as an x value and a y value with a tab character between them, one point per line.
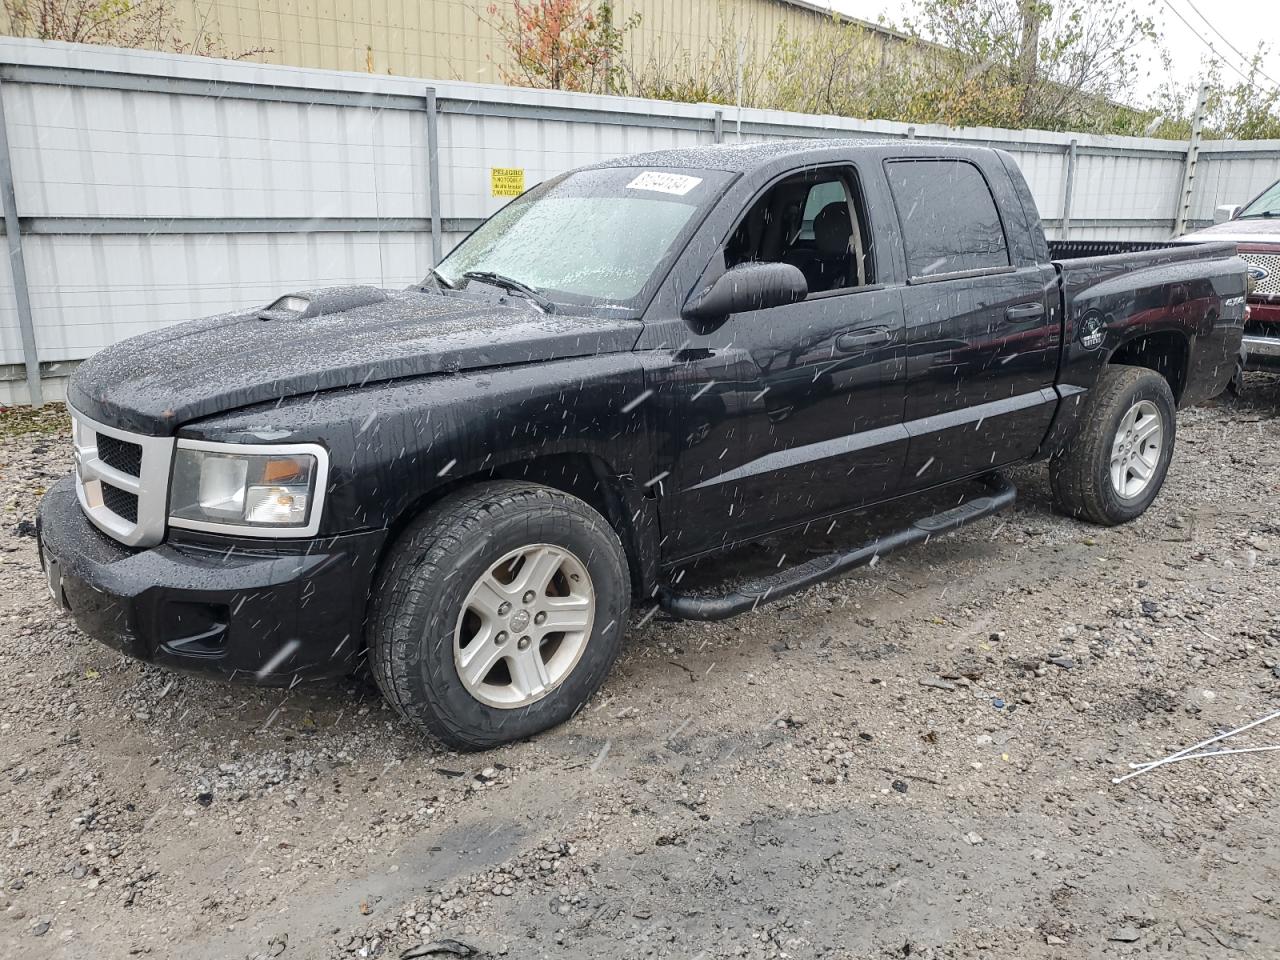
262	490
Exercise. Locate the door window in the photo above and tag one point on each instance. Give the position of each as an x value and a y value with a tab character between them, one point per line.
949	219
815	221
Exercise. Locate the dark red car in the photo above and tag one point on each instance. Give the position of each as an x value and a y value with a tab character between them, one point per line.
1255	228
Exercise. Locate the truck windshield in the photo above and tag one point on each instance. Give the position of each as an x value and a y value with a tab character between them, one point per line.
601	237
1267	205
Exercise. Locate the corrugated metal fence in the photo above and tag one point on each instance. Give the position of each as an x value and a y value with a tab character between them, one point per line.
150	188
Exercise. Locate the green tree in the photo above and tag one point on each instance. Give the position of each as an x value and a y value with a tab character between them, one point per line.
1241	109
1064	64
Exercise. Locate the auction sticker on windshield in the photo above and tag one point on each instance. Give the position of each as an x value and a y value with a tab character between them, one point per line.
677	183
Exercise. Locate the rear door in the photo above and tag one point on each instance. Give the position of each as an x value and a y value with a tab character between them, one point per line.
982	321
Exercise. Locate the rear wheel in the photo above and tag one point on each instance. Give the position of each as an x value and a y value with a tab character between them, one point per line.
1115	465
498	613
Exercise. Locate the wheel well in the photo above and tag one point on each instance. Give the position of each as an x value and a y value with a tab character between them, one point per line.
1167	353
586	477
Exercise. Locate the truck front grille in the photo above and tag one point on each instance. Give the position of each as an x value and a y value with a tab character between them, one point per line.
122	480
120	454
1270	262
122	504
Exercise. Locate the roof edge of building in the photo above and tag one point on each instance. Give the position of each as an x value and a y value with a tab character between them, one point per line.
814	6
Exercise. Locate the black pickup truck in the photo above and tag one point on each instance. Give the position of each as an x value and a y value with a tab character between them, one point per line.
467	484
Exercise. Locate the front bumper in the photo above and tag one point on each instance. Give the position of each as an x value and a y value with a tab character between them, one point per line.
1262	351
243	610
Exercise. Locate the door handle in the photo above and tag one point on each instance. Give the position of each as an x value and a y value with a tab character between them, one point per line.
1024	311
861	339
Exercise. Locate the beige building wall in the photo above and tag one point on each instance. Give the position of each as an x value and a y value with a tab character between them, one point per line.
454	39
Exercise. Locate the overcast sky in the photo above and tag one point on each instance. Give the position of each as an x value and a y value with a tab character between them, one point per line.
1242	23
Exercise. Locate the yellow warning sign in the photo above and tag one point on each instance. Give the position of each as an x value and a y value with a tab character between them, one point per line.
506	181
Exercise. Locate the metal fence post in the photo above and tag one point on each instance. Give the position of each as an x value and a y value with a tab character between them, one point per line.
1189	168
1068	191
433	173
18	265
717	127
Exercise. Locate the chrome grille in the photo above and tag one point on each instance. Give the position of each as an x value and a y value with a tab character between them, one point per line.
122	480
1269	262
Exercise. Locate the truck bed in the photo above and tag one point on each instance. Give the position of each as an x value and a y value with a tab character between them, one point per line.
1191	294
1261	335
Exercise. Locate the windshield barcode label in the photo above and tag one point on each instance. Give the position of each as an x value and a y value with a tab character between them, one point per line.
676	183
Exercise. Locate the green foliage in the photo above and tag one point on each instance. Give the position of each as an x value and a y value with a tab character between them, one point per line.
973	66
145	24
843	70
849	70
1008	63
1061	65
1039	64
562	44
1234	110
125	23
711	78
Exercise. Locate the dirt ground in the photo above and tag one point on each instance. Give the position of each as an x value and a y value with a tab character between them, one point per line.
915	761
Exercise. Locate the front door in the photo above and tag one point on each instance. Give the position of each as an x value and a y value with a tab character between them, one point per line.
792	413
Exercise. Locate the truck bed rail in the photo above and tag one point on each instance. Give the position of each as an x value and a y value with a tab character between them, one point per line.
1078	249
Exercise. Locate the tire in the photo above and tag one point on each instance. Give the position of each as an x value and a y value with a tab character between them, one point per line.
1081	476
429	601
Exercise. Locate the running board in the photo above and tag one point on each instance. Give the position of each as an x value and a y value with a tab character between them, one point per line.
749	595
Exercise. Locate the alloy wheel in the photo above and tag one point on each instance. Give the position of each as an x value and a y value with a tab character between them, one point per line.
524	626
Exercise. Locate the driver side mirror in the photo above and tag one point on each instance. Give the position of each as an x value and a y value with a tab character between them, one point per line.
747	286
1225	212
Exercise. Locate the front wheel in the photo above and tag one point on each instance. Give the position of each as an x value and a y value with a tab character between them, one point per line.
1115	465
498	613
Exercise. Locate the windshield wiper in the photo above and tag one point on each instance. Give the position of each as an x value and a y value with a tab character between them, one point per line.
441	281
515	286
1255	216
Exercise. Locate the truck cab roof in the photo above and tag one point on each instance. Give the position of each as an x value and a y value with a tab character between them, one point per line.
751	157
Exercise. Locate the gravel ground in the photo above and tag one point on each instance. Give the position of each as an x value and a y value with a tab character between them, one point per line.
914	761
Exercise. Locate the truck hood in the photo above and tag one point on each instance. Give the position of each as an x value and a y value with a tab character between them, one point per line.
321	340
1253	230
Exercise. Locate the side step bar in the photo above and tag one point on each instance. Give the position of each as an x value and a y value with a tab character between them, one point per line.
747	596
